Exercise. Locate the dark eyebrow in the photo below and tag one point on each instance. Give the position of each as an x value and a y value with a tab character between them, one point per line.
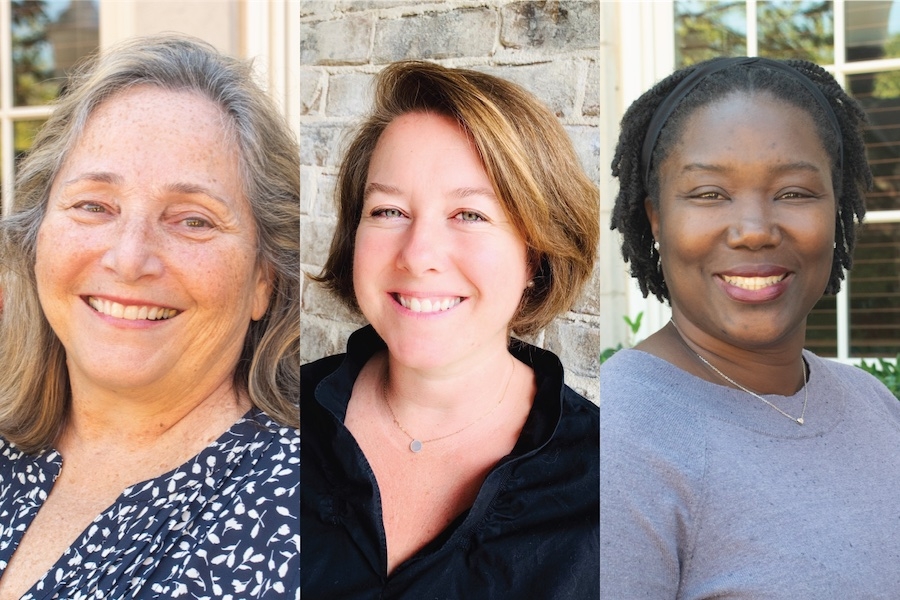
781	168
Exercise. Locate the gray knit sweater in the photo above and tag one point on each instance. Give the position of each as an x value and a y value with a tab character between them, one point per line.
706	492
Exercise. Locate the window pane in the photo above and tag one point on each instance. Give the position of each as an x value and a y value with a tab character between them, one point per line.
875	292
796	29
48	38
23	136
705	30
821	327
873	29
879	94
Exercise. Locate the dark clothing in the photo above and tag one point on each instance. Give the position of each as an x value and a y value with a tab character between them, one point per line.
532	532
222	525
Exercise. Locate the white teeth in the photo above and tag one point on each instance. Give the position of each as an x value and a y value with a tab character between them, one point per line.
428	305
131	312
752	283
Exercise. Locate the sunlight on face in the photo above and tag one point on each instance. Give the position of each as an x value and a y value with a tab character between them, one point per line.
438	268
146	258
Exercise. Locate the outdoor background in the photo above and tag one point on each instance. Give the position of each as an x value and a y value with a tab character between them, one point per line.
42	40
857	41
550	48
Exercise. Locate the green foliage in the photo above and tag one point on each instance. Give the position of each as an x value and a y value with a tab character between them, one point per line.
785	29
886	371
633	326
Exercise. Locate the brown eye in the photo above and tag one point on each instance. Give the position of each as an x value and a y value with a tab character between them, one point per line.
197	223
92	207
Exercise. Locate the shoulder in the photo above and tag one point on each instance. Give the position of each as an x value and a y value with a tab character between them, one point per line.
852	383
835	371
653	463
578	409
313	373
263	456
641	394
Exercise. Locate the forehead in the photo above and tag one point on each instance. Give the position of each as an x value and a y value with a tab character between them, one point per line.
744	125
154	127
423	129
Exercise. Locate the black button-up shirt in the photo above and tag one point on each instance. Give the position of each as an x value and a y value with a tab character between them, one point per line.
532	532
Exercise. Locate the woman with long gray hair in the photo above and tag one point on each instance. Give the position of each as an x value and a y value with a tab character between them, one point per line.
149	441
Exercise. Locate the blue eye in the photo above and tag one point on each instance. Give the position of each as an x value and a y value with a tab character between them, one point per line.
388	213
470	216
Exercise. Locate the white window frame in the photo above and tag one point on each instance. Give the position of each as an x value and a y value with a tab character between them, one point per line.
10	114
648	54
271	30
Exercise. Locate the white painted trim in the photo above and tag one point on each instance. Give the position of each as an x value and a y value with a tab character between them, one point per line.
117	21
752	28
647	56
271	39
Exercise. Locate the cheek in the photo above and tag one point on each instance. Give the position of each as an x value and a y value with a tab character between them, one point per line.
365	259
500	263
57	253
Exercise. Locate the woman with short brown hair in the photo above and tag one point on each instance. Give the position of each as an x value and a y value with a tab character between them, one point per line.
441	458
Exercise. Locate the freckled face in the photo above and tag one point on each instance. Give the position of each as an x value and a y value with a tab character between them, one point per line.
438	268
146	259
746	220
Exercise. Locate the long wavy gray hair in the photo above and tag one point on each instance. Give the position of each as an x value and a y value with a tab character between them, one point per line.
34	384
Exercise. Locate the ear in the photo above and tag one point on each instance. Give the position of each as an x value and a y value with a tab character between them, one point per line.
652	216
262	293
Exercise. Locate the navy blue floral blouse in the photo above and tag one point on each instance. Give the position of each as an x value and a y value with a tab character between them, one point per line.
222	526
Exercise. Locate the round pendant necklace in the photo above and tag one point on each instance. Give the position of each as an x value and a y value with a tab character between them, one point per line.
416	445
798	420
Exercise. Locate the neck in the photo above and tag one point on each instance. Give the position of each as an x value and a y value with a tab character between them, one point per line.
139	419
429	398
775	368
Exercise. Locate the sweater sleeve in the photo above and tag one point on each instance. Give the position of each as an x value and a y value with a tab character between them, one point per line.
652	462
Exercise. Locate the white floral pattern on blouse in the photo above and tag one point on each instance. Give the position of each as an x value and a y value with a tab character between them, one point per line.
224	525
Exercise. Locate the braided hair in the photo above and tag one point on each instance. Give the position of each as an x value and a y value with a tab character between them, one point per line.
851	176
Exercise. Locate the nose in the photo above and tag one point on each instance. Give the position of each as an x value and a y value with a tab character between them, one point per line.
423	247
133	251
754	224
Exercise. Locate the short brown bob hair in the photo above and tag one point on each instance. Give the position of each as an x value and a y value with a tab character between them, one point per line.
528	158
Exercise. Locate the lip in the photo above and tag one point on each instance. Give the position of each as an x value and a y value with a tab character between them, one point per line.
759	283
426	304
129	310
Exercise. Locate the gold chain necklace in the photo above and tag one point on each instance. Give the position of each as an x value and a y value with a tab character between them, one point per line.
416	445
798	420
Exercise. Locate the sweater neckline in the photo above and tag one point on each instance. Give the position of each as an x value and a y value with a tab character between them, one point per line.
826	406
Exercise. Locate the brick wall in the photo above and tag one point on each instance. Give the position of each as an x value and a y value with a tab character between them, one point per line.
550	48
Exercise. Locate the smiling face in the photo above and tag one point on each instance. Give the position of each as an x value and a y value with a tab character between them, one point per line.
746	220
438	268
146	259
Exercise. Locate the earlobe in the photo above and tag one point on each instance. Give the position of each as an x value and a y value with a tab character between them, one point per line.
652	216
263	292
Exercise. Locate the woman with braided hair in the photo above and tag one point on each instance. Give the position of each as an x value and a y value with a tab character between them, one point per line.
734	463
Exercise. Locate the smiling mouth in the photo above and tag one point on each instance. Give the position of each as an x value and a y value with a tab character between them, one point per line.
131	312
428	305
752	283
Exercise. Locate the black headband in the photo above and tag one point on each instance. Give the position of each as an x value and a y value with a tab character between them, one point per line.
686	86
